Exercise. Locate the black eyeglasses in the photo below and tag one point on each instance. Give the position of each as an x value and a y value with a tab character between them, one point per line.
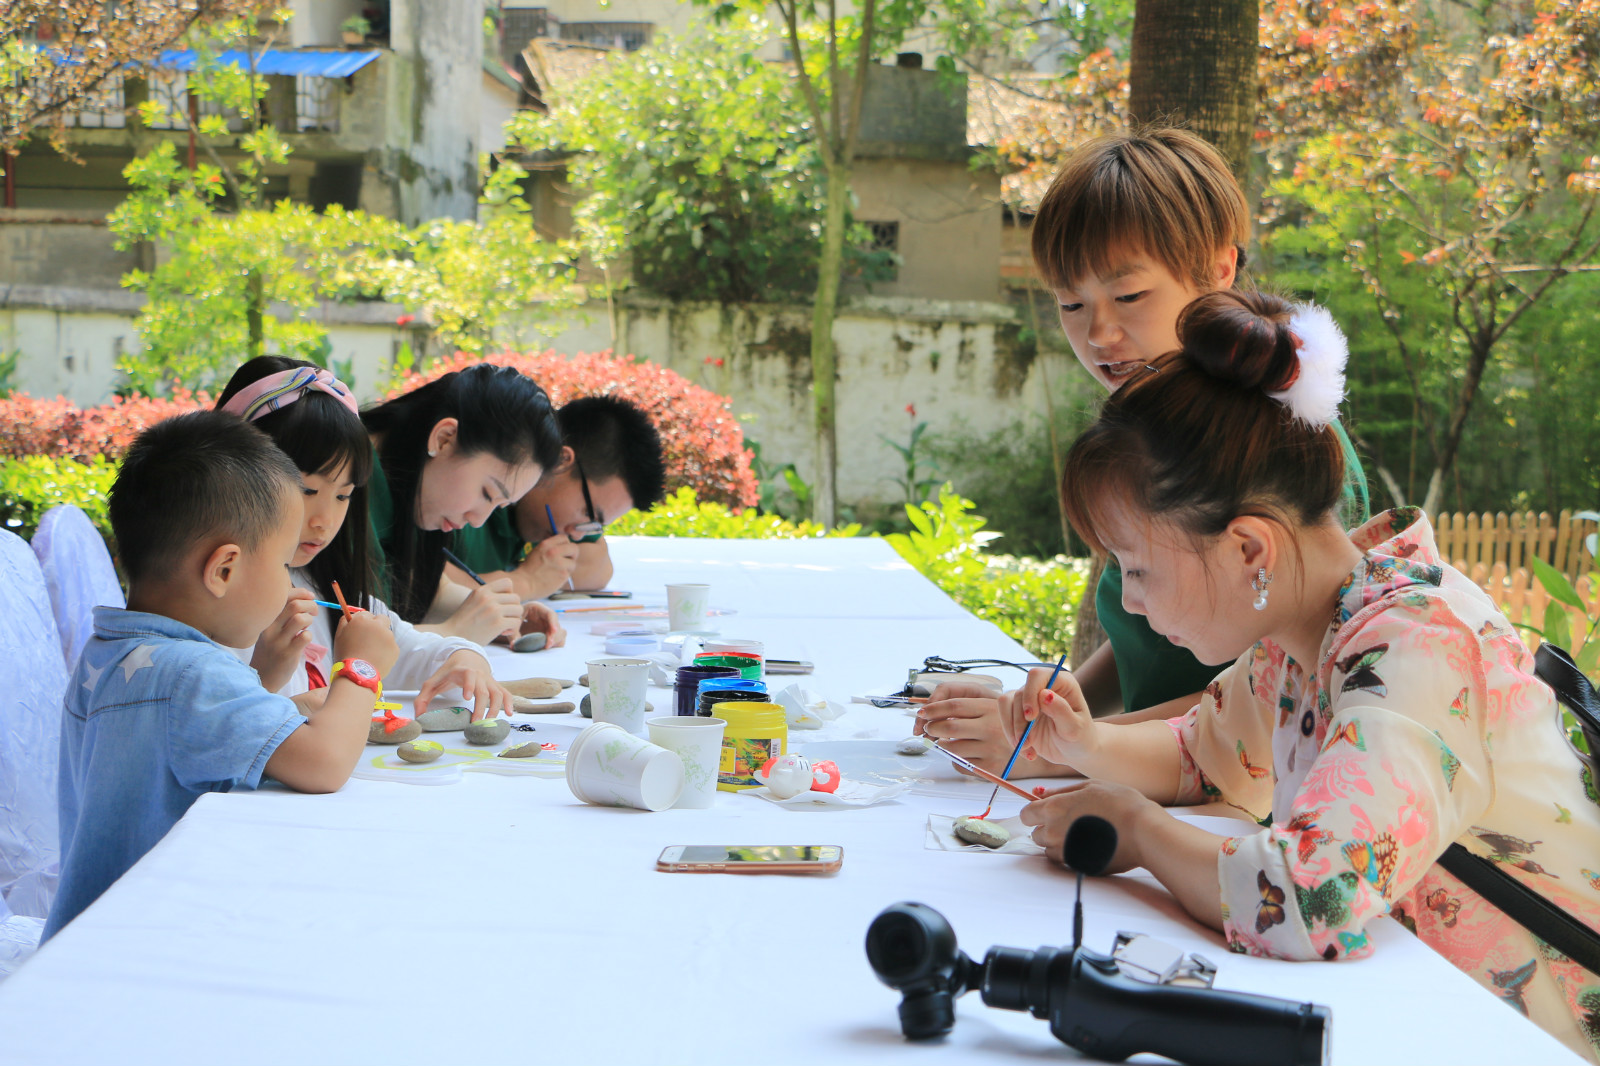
592	530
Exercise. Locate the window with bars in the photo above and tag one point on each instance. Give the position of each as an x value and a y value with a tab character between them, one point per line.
520	25
627	36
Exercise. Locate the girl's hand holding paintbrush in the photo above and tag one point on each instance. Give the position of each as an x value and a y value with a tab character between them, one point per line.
364	635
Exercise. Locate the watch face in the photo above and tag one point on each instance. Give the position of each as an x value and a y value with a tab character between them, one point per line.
361	668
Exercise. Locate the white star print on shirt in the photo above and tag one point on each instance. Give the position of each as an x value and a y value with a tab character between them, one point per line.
92	676
137	660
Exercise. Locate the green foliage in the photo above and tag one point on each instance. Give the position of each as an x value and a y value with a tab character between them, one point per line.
681	515
240	277
209	297
8	371
481	280
1557	630
699	164
32	484
1033	601
914	486
1011	474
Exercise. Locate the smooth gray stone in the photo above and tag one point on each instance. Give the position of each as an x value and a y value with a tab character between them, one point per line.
488	731
529	642
444	719
530	750
420	750
981	831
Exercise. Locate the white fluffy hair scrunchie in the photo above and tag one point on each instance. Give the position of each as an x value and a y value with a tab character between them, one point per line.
1314	395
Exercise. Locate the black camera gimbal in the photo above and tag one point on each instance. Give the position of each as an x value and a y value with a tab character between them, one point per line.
1091	1003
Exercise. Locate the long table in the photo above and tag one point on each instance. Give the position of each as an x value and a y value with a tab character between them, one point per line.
500	920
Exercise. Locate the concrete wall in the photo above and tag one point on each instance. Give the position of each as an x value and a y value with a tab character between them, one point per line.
968	366
949	218
71	248
436	90
70	339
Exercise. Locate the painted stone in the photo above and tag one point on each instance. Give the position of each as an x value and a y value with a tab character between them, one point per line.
534	688
981	831
420	750
392	730
522	706
913	746
529	642
488	731
531	750
444	719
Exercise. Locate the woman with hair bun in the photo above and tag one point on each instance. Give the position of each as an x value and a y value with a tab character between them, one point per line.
1377	707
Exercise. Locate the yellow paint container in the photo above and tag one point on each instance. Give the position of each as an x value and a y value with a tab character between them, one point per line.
756	732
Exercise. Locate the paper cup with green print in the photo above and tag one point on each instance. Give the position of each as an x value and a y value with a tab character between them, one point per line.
698	742
610	767
687	604
616	691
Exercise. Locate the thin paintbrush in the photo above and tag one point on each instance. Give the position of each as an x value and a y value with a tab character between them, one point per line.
981	772
1023	739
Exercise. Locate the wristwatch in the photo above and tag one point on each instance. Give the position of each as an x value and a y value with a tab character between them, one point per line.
361	672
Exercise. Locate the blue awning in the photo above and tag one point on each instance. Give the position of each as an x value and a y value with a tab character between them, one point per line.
330	64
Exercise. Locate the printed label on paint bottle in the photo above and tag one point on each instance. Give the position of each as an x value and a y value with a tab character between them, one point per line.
743	756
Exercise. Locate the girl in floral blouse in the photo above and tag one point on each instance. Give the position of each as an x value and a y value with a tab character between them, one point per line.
1214	479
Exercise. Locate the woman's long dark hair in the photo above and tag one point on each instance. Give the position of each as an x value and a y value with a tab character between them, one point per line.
322	435
497	410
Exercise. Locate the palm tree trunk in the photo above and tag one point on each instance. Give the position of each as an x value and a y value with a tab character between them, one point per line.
1194	64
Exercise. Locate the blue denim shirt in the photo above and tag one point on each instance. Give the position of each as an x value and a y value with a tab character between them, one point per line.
156	713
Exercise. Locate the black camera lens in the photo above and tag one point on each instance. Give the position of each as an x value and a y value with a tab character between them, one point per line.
898	948
1005	978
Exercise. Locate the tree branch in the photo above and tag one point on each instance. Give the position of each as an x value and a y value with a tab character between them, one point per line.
869	10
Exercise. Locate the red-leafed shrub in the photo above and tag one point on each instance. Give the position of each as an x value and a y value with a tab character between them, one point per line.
31	426
704	444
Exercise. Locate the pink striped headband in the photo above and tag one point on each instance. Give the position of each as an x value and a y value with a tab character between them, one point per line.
277	391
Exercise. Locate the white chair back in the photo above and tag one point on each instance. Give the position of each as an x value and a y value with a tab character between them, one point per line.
33	680
79	574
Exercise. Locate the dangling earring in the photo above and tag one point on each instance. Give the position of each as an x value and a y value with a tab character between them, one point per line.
1260	583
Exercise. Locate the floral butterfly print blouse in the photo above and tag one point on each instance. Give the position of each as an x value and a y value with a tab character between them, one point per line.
1423	725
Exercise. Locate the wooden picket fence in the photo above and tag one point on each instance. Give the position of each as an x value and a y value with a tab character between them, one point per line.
1494	550
1514	539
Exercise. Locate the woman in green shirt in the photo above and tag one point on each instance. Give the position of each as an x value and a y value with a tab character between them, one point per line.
447	455
1132	230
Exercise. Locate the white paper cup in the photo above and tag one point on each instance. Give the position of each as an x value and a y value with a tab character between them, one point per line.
616	691
609	767
686	606
698	742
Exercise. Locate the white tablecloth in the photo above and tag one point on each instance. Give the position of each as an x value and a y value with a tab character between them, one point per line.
499	920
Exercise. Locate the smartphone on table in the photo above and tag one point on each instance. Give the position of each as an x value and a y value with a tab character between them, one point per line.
591	594
751	858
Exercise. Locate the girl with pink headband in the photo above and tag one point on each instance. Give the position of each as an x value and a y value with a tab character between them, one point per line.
314	418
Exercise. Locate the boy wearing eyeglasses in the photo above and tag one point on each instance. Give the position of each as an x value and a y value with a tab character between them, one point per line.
553	538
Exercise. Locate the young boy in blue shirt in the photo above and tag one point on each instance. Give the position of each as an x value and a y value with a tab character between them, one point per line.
206	511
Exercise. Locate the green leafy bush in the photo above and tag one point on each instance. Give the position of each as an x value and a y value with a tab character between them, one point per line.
1034	601
681	515
32	484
